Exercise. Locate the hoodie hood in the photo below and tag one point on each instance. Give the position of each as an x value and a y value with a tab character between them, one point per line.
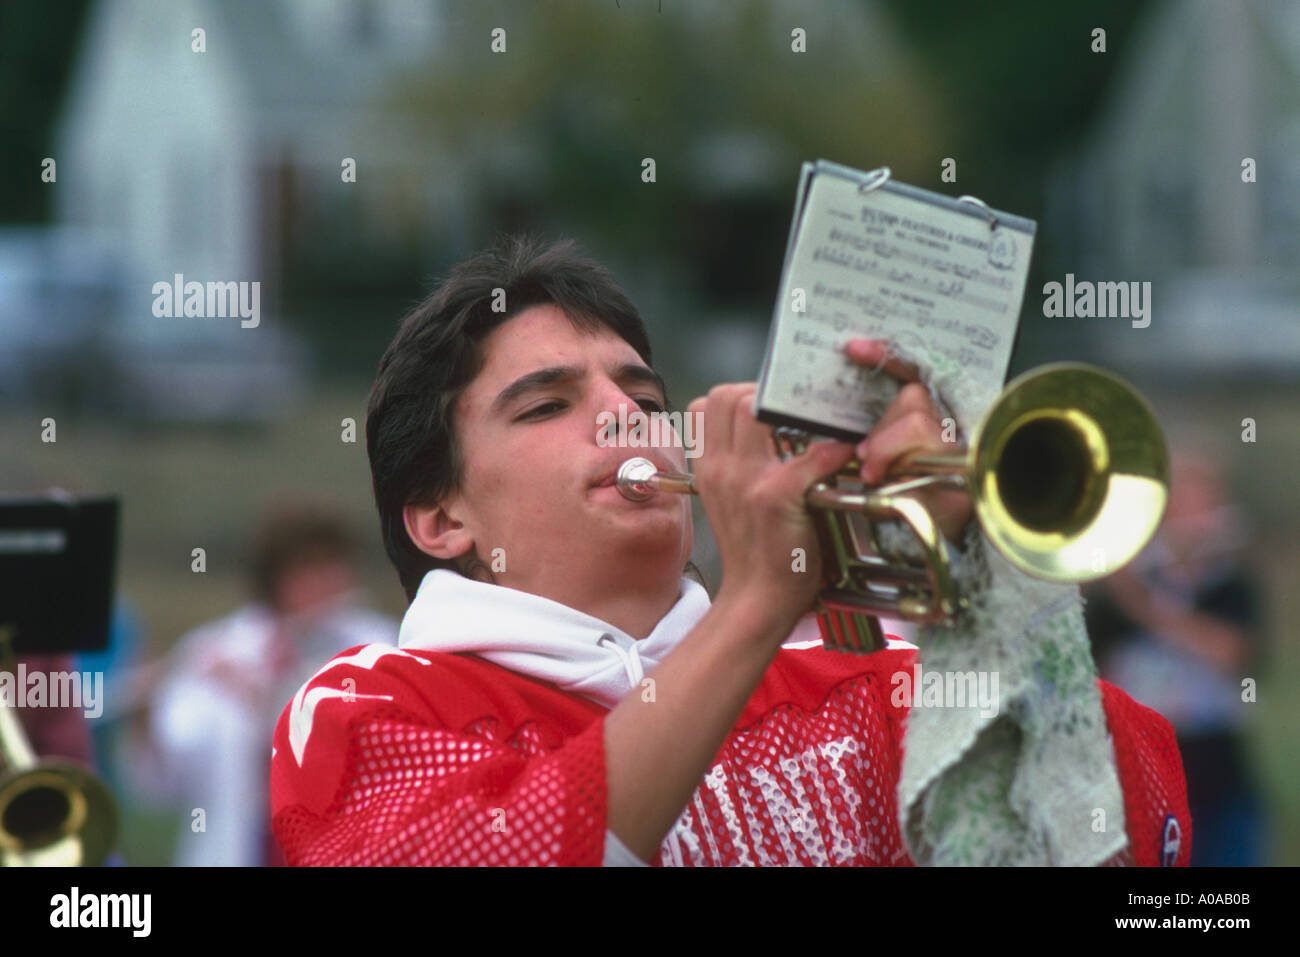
541	638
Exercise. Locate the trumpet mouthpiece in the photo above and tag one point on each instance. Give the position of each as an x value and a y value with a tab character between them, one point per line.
634	479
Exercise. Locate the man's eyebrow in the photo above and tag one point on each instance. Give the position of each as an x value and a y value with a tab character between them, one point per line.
538	379
628	372
641	375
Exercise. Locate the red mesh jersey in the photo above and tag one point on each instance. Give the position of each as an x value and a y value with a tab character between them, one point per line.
396	757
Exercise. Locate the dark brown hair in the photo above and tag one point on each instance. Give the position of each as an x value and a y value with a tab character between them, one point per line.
415	454
293	534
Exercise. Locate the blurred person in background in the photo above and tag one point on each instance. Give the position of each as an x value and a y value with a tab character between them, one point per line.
1180	630
226	682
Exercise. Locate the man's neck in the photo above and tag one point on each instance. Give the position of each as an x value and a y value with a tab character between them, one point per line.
633	610
637	617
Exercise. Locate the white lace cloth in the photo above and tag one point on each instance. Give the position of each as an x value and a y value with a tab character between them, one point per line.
1037	782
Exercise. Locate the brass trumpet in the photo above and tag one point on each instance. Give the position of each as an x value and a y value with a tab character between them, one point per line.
1067	471
52	812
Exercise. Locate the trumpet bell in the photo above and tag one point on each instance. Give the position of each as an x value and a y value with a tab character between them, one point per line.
1069	473
55	814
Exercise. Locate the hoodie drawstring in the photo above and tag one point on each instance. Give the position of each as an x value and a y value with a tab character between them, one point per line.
632	665
631	660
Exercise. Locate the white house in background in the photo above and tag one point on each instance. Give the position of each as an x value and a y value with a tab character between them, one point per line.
196	160
202	163
1157	192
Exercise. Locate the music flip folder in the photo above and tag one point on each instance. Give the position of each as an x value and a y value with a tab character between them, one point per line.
868	257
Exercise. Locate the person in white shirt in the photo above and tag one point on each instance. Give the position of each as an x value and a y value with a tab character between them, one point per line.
226	681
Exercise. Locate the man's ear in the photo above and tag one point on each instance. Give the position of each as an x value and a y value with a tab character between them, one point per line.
436	533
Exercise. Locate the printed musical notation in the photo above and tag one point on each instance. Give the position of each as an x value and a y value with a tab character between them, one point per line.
886	250
951	288
876	307
835	393
892	264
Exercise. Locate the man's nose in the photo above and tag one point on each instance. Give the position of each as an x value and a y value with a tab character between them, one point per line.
614	408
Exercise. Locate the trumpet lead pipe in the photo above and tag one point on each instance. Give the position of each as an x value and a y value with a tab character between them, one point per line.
638	478
943	464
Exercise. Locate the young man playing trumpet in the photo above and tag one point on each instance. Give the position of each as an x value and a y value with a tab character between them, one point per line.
561	693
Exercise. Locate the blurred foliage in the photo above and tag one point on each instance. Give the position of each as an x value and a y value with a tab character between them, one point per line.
1021	78
558	128
1003	88
38	42
588	91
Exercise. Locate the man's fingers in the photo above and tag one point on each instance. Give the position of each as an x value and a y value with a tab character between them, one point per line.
912	399
718	426
729	429
913	404
752	437
729	421
876	353
820	460
912	432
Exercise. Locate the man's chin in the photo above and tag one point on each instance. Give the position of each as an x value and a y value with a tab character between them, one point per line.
658	528
609	499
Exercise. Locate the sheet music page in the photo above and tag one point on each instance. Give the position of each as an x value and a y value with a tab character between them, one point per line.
896	263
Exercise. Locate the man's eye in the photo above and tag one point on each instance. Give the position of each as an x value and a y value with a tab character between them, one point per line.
538	411
650	405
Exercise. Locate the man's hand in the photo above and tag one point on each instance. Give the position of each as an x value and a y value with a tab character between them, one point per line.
910	425
756	504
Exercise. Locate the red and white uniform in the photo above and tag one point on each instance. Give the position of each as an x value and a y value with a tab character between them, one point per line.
409	756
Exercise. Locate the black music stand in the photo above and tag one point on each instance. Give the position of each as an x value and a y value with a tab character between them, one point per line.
57	571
